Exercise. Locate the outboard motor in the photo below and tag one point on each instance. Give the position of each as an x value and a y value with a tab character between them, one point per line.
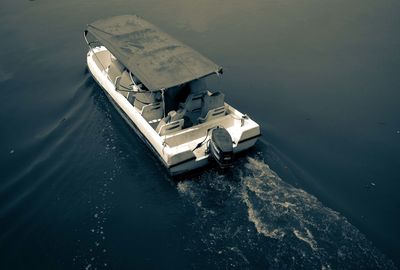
220	147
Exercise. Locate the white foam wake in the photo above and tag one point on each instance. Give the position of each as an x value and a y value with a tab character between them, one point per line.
253	217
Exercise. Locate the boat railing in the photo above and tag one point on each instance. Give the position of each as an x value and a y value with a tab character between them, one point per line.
96	43
90	43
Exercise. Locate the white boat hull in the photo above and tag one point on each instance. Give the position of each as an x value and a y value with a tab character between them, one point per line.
176	151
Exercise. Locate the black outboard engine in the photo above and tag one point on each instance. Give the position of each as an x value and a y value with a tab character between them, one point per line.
220	147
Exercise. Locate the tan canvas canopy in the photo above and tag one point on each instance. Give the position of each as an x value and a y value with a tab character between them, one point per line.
156	58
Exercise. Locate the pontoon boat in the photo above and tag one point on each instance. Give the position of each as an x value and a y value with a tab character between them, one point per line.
158	86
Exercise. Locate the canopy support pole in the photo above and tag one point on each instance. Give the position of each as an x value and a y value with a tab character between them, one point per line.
91	49
163	100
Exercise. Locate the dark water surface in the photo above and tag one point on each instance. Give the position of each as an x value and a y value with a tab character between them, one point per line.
78	190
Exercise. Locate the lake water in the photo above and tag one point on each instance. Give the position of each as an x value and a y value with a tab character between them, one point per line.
79	190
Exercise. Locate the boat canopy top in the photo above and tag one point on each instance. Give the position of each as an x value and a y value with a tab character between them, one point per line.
158	60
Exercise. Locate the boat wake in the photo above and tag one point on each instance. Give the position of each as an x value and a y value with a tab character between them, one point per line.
256	219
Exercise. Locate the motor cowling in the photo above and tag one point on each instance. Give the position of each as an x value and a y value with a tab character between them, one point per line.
220	147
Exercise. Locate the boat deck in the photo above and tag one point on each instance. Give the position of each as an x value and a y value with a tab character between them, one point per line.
174	142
